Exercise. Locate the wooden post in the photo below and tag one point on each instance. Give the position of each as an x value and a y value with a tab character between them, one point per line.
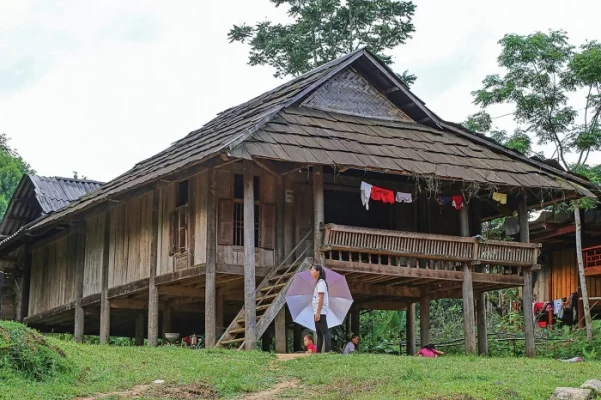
280	221
211	276
410	329
26	283
219	313
139	329
80	253
153	291
424	321
469	319
280	331
250	332
527	293
587	309
318	210
105	305
482	332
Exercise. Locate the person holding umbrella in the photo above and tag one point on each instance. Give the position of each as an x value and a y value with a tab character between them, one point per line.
320	308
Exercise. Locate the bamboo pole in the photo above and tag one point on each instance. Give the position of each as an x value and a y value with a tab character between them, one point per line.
527	293
587	309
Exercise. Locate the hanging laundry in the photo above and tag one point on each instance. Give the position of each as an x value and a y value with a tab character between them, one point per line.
444	200
457	202
403	197
383	195
558	307
500	198
365	194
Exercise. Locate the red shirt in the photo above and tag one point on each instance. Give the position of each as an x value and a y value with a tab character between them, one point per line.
383	195
311	347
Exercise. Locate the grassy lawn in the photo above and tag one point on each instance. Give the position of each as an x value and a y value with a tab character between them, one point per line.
98	369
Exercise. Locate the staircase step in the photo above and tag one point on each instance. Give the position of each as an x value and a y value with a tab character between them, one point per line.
235	331
263	307
226	342
243	320
279	285
270	296
284	276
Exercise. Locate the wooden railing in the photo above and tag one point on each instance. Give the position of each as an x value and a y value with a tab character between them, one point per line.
400	247
592	260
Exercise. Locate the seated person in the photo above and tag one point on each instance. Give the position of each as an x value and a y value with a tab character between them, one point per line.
310	345
430	351
351	346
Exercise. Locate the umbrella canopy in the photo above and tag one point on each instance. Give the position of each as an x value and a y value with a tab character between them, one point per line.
300	298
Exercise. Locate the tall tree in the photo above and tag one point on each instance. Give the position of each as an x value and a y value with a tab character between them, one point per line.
12	168
323	30
543	70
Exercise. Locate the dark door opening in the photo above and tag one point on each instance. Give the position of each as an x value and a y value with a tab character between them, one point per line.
345	208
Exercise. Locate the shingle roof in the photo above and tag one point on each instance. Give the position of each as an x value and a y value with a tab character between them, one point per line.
236	125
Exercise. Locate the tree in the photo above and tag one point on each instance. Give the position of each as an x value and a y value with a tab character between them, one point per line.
12	168
323	30
542	70
482	122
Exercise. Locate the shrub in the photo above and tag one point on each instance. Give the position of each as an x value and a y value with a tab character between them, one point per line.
24	351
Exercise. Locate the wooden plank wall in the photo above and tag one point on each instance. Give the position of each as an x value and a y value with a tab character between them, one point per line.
541	287
130	241
165	264
199	186
94	251
564	274
52	275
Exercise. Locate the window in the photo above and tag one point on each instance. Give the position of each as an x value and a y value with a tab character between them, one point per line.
179	220
231	217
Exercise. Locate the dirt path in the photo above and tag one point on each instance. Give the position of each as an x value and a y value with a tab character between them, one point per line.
133	392
274	393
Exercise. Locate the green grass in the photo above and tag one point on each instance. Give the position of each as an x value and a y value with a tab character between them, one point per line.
101	369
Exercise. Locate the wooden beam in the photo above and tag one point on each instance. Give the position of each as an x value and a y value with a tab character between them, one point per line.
153	293
36	318
130	304
128	288
318	213
424	320
527	292
80	259
250	333
211	267
105	306
382	290
410	329
469	321
266	165
396	271
182	291
280	331
564	230
482	332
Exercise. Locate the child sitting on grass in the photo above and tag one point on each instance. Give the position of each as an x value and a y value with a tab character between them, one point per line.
430	351
310	345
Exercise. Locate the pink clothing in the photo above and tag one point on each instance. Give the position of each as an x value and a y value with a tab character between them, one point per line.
426	353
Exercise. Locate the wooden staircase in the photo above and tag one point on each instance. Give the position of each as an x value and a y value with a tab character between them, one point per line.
269	299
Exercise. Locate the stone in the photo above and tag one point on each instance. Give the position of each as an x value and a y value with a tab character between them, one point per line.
592	384
566	393
158	382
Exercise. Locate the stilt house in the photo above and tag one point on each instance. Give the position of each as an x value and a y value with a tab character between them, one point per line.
204	237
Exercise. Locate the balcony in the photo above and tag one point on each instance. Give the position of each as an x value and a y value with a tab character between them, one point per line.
344	244
591	257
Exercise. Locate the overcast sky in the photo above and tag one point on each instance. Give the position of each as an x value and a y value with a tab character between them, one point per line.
95	86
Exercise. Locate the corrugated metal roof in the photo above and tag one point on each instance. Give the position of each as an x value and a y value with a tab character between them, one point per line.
54	193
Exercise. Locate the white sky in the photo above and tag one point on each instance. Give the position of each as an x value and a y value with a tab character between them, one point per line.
98	86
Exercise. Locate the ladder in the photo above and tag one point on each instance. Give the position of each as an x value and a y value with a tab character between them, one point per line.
270	297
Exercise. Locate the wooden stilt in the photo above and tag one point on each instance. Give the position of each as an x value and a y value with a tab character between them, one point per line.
424	321
80	258
139	329
318	210
469	319
527	292
482	332
211	276
280	331
153	291
250	311
105	306
582	278
410	329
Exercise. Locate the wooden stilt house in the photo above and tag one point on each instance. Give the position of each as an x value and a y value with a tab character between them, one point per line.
204	237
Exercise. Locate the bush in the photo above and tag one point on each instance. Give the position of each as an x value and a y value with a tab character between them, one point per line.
24	351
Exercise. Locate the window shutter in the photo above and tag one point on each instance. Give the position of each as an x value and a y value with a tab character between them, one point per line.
225	223
182	243
172	233
267	229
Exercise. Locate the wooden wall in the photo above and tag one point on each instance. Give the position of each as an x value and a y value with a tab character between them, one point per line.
94	253
129	256
52	275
